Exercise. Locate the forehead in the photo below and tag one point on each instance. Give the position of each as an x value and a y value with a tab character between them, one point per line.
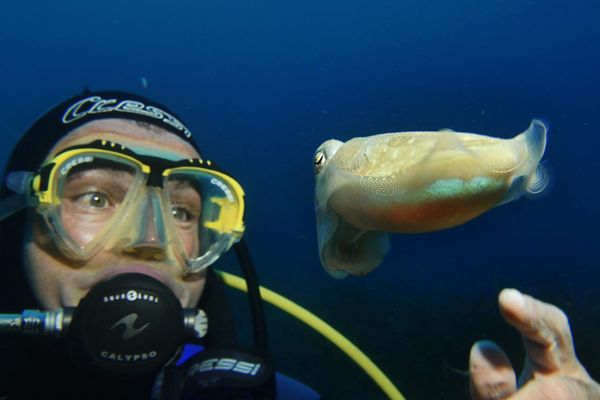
141	138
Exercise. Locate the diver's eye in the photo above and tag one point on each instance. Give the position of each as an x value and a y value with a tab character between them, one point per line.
93	200
181	214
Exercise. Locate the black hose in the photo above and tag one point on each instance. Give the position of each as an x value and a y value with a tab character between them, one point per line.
256	307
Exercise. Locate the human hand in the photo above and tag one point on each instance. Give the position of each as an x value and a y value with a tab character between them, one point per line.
551	370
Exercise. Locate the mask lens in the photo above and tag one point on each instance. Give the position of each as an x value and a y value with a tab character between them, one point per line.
205	211
92	190
185	201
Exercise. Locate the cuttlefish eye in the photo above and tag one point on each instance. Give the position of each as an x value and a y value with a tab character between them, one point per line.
324	153
319	161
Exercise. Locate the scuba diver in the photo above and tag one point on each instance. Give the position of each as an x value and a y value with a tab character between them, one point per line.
128	218
110	221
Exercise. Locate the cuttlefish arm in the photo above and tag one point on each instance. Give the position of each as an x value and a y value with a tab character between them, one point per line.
345	249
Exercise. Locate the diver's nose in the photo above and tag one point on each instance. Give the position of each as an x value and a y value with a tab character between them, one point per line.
147	251
150	240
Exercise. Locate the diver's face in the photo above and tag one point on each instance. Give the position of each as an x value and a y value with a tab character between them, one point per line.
60	282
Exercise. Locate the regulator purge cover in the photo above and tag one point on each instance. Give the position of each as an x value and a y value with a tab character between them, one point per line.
128	324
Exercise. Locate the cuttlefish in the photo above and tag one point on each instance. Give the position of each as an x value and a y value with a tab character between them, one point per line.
413	182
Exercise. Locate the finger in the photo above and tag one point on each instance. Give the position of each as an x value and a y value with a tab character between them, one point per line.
491	375
545	329
557	388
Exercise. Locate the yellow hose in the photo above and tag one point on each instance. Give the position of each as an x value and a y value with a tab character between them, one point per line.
323	328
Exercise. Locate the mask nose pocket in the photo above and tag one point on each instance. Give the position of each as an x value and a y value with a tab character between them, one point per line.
146	237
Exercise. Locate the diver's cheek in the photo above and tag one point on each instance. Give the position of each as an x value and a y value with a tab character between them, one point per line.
70	295
42	275
192	287
189	242
79	228
52	281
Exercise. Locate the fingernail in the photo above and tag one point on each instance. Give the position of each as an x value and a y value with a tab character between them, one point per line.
483	346
486	355
486	344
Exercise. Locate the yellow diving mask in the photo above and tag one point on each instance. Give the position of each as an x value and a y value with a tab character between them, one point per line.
104	196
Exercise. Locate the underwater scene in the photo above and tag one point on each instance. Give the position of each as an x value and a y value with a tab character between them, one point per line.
263	84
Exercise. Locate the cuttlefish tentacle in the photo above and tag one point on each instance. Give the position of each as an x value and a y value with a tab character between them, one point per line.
410	182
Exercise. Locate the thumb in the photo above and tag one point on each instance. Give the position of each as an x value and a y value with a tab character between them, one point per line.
491	375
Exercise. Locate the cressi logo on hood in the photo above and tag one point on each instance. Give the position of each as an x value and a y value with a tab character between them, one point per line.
93	105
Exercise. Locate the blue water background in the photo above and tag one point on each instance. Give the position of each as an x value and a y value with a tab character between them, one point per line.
262	83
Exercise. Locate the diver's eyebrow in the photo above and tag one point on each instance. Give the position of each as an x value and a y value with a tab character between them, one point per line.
180	183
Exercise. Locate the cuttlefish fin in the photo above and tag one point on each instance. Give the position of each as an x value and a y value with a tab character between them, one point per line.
345	249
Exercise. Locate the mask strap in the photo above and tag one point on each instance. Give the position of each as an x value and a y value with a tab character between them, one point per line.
19	182
12	204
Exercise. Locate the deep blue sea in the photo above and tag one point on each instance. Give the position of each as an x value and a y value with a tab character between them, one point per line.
262	83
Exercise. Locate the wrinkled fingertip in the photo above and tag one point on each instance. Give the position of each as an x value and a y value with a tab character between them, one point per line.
512	305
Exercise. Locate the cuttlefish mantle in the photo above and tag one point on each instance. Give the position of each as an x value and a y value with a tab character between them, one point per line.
412	182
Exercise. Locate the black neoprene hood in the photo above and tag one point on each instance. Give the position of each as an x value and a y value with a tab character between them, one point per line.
33	147
35	144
